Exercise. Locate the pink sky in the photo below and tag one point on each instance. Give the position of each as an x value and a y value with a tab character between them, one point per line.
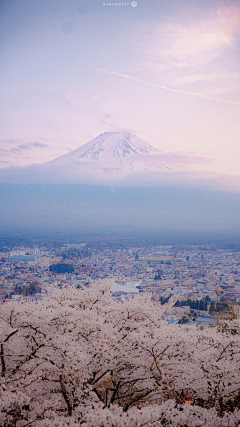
167	71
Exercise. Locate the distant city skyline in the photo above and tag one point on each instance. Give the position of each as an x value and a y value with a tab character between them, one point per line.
167	71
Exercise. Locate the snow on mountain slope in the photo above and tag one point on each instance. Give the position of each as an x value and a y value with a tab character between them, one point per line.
116	152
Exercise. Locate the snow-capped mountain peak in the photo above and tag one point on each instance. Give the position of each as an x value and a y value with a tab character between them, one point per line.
116	152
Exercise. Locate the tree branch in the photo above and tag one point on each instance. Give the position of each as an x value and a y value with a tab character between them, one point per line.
65	395
98	395
137	398
26	359
10	335
92	382
114	393
3	362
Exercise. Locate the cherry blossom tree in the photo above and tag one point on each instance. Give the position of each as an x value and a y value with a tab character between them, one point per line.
79	357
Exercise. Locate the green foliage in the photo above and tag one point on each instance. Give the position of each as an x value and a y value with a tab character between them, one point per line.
218	307
61	268
31	289
164	300
183	320
202	305
194	304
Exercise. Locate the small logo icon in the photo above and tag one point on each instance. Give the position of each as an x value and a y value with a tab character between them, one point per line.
134	3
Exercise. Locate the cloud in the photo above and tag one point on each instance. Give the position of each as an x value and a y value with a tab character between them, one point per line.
107	116
38	149
85	172
209	35
197	94
193	78
186	50
228	18
30	145
192	41
176	157
10	150
23	146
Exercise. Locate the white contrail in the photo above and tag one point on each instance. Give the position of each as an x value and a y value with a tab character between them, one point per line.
198	94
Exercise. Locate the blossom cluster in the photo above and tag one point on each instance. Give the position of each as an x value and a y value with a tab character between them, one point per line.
79	357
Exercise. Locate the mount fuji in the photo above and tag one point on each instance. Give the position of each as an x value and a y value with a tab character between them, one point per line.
118	152
117	180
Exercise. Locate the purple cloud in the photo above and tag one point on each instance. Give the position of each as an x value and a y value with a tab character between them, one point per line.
30	145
